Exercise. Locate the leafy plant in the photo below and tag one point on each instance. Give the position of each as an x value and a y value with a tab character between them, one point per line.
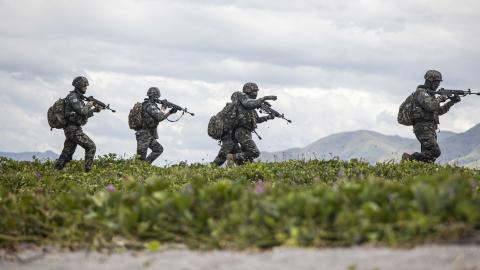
317	203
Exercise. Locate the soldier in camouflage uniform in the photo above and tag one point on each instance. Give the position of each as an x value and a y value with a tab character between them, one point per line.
426	110
76	115
238	145
147	136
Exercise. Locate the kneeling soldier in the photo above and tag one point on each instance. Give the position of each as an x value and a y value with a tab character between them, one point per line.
426	110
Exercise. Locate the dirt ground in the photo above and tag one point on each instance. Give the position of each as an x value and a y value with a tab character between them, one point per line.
356	258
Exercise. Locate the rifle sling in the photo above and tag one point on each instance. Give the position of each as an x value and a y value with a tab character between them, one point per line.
173	121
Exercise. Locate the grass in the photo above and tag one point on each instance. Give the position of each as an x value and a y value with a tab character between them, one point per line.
127	203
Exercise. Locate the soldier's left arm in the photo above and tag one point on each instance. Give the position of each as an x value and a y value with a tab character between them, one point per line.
249	103
445	107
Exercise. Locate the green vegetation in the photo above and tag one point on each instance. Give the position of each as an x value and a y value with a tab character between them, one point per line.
130	204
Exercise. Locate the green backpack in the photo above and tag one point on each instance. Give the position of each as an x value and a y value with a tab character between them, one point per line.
56	115
135	119
226	120
405	112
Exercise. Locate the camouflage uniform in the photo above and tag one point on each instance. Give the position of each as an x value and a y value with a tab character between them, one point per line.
148	135
425	114
77	114
228	145
239	140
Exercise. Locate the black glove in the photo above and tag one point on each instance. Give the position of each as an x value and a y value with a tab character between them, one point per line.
172	111
269	98
97	109
270	117
442	98
455	99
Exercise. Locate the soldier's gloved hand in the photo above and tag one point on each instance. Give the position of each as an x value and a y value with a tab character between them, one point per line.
172	111
455	99
90	104
442	98
270	117
97	109
269	98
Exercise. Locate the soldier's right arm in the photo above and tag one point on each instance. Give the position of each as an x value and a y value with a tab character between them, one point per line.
79	108
155	113
427	102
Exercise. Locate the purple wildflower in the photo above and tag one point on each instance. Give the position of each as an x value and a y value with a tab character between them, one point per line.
189	188
110	188
259	187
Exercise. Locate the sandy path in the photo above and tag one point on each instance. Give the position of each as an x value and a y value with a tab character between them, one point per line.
358	258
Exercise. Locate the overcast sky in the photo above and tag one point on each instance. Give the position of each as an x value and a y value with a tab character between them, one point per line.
334	65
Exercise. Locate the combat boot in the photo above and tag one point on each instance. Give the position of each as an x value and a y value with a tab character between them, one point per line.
230	159
59	165
406	157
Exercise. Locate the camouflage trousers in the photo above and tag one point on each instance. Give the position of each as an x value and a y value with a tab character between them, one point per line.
427	136
74	136
146	140
239	143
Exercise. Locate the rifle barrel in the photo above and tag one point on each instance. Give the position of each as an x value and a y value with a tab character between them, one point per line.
447	92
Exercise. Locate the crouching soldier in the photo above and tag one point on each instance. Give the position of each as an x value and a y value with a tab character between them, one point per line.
237	143
426	110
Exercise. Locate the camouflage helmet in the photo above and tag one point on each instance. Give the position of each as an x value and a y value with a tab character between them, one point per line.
153	92
433	75
250	87
80	82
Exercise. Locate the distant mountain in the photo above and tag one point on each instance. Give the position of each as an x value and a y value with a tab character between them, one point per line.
457	148
442	135
363	144
462	148
28	156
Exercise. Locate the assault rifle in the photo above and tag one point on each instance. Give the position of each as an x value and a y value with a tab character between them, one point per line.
267	108
98	103
167	104
451	93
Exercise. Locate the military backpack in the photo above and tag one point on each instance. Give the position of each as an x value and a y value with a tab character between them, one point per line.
224	121
56	115
405	112
135	119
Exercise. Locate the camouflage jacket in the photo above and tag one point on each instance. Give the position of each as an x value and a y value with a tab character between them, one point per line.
76	112
427	106
152	116
247	115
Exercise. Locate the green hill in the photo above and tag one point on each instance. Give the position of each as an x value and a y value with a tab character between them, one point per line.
126	203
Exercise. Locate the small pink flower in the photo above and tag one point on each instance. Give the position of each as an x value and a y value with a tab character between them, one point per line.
189	189
110	188
259	187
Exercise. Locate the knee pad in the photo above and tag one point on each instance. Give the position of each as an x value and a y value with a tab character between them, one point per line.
157	148
92	148
255	153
